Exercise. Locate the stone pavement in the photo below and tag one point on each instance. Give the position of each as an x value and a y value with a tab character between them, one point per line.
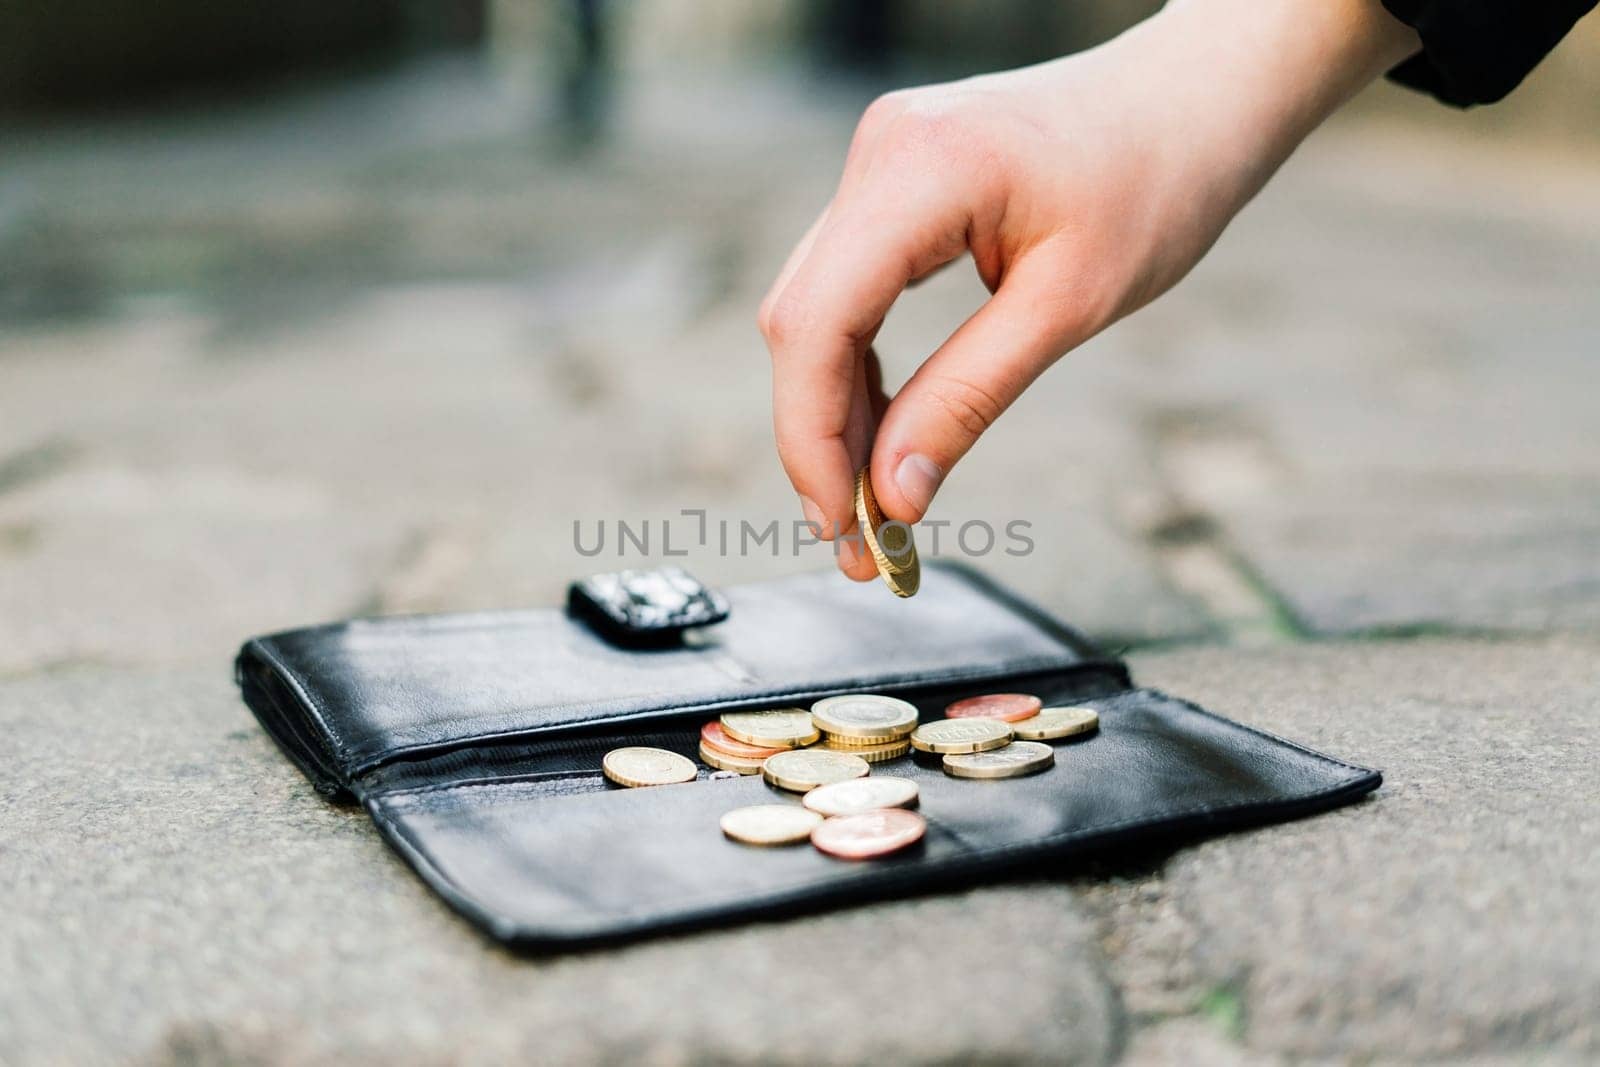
281	362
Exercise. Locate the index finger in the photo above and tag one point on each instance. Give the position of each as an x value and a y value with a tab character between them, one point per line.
819	328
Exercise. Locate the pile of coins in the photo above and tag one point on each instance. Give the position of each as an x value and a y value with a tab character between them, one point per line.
827	754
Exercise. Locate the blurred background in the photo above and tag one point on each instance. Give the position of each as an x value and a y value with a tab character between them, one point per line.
311	310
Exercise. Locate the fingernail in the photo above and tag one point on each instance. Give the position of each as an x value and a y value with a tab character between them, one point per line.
814	515
918	478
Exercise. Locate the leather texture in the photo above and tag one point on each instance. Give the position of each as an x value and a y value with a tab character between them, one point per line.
475	743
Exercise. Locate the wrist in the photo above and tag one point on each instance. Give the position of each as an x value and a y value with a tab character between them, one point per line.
1244	83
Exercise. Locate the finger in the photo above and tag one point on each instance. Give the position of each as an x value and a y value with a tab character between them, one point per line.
797	256
965	386
860	427
821	325
876	397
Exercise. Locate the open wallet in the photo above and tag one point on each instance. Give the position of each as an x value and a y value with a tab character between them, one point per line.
475	742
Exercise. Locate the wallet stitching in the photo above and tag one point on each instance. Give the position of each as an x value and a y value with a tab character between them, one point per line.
801	890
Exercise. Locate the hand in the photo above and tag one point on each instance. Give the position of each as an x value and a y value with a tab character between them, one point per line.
1083	188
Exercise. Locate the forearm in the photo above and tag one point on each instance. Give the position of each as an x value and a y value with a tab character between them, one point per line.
1254	79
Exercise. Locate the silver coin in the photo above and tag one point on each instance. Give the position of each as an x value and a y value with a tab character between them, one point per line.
862	794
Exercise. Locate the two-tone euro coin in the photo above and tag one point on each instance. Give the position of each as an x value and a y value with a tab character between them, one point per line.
866	717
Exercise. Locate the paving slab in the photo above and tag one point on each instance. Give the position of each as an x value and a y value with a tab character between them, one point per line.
1449	916
1378	387
176	893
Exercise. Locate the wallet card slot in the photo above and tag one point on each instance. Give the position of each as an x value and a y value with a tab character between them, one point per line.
678	729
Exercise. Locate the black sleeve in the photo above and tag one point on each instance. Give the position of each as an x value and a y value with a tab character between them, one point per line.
1477	51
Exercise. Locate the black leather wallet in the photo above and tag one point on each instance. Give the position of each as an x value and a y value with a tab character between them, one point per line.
474	741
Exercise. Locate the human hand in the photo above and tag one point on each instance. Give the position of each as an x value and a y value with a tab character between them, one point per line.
1083	188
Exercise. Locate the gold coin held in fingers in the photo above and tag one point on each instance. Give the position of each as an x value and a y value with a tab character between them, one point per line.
782	728
961	735
770	824
1053	723
862	794
1012	761
635	767
723	761
867	716
894	551
804	770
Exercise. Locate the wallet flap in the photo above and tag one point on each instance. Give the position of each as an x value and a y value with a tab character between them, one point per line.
557	860
344	698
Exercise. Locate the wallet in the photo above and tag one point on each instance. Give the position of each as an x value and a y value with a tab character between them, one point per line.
475	743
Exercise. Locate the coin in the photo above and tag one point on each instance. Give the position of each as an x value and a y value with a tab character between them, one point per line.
869	834
878	753
712	757
804	770
634	767
770	824
961	735
894	552
782	728
716	737
1052	723
867	716
722	776
1012	707
862	794
1013	761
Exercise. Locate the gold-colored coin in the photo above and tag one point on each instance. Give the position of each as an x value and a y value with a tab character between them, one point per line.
893	549
635	767
1053	723
803	770
782	728
865	716
770	824
724	761
862	794
961	735
1012	761
872	753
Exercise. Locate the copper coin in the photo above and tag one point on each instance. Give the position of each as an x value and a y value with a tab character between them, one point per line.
1009	707
713	735
870	834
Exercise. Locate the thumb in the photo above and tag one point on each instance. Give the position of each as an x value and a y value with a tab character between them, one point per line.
966	385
